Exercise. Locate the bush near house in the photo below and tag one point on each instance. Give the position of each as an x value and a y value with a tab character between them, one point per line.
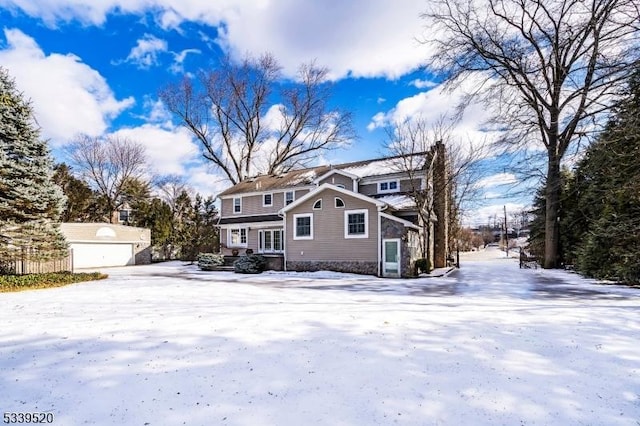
250	264
210	261
423	266
38	281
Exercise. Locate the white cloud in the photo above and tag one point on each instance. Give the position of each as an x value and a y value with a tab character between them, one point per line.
145	53
168	150
423	84
438	104
497	179
178	60
361	38
487	214
68	96
206	181
157	112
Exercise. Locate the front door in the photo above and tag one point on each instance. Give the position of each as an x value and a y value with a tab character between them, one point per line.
391	257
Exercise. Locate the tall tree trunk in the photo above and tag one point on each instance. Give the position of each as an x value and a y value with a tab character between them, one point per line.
552	223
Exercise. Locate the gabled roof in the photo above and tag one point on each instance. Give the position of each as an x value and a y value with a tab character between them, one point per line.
307	177
326	186
333	171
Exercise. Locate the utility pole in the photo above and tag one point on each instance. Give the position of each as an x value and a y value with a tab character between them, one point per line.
506	231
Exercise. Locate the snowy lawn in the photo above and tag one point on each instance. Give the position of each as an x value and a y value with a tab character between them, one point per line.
170	345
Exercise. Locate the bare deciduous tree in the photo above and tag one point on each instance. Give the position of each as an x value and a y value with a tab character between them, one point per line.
550	70
411	142
170	187
107	165
248	122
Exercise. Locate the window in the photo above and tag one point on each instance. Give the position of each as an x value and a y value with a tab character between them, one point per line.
123	216
388	186
340	186
303	227
339	203
237	205
317	205
356	224
267	200
289	196
270	241
237	237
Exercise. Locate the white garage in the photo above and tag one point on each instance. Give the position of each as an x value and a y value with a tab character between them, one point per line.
87	255
97	245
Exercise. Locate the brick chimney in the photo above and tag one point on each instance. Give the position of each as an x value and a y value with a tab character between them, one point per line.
440	205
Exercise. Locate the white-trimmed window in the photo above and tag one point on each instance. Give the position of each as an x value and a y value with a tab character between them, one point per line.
267	200
356	223
271	241
389	186
237	204
339	203
340	186
237	237
318	204
303	226
289	197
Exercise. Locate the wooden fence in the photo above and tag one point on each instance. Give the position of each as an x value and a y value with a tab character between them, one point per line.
25	265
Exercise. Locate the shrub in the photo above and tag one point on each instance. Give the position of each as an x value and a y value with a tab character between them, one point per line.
423	265
210	261
54	279
250	264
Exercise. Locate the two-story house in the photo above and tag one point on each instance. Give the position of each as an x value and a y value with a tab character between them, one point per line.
356	217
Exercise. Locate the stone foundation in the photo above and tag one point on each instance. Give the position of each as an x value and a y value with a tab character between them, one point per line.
366	268
142	254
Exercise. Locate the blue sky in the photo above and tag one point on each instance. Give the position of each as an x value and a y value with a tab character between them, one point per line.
96	66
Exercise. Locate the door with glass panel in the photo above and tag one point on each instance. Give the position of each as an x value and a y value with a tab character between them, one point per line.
391	257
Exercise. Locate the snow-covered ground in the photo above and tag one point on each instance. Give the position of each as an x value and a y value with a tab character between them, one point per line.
167	344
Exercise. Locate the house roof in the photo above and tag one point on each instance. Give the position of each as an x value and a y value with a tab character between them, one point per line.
253	219
307	177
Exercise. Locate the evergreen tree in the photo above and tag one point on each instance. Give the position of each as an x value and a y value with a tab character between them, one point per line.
206	235
81	200
30	201
156	215
600	200
607	191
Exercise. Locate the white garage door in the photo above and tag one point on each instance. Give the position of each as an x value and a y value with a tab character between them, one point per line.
97	255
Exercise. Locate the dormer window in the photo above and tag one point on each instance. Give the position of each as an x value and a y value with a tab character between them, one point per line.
388	186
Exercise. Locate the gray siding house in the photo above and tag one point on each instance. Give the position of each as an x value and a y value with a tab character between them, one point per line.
356	217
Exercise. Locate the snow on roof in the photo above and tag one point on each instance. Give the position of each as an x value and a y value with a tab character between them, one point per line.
383	166
360	169
398	201
306	177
